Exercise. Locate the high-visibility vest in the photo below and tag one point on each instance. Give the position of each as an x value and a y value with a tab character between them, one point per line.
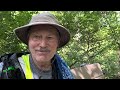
28	71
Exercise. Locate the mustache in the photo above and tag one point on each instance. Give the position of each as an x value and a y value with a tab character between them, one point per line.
43	50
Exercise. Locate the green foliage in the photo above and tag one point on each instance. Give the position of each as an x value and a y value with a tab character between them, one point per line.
9	21
92	38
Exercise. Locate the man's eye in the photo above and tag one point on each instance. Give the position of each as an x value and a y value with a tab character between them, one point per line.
50	37
36	36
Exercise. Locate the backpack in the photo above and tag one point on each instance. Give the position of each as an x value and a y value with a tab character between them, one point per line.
11	66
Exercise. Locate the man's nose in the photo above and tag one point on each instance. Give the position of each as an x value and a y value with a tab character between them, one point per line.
43	43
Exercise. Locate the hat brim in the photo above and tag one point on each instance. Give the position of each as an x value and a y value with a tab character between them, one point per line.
22	33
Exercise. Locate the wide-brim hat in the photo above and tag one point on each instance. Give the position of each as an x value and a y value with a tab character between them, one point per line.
43	19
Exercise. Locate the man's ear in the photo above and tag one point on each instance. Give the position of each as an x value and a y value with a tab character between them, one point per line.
58	48
57	45
28	48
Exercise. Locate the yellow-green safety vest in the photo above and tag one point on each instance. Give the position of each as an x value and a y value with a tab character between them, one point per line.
28	71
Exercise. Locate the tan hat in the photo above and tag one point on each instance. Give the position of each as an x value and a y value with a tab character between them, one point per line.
40	19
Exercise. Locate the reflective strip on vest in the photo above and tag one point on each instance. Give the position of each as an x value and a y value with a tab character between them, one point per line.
28	72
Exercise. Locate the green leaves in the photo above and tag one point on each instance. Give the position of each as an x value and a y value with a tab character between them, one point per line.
92	37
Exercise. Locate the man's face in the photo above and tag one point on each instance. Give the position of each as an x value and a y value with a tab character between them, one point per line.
43	42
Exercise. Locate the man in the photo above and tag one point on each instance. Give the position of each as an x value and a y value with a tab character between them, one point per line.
43	36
